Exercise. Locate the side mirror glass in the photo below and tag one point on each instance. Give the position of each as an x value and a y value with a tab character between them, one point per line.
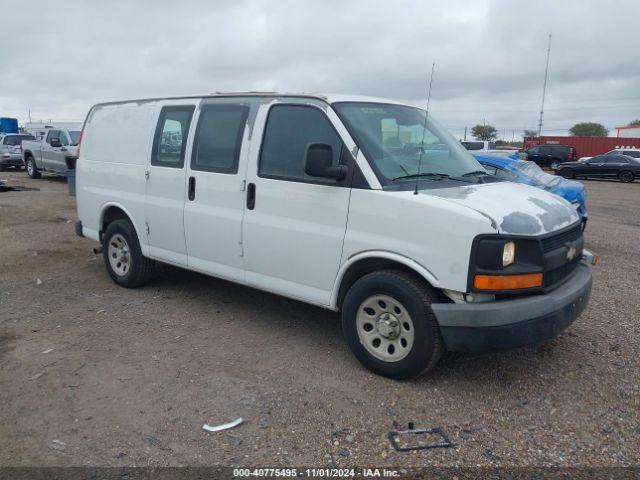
55	142
318	162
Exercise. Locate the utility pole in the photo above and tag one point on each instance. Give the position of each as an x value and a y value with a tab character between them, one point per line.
544	89
465	134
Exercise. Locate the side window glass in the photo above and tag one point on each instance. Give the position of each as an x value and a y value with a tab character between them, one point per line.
52	134
534	151
218	138
289	129
171	136
62	135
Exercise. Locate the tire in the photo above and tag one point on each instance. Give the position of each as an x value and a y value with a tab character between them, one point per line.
123	258
567	173
32	171
626	176
396	300
554	165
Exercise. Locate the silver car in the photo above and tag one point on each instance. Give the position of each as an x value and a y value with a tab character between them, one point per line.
11	149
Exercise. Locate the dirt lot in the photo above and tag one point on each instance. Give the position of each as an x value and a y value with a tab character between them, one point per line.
128	377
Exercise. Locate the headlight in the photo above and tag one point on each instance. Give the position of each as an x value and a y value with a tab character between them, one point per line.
576	204
508	254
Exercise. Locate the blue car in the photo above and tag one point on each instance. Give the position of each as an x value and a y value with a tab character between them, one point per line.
522	171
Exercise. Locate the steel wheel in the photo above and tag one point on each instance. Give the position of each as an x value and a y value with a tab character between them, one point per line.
119	255
385	328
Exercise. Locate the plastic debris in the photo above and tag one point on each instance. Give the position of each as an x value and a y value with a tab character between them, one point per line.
224	426
57	445
49	350
411	432
38	281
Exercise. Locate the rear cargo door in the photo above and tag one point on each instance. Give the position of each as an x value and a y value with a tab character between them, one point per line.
165	186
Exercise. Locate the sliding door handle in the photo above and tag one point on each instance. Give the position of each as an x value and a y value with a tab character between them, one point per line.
192	188
251	196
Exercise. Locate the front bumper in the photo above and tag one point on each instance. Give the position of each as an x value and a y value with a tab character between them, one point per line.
504	324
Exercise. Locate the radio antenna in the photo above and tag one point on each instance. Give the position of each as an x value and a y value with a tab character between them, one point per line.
424	127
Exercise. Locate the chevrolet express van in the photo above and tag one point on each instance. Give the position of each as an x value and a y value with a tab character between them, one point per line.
359	205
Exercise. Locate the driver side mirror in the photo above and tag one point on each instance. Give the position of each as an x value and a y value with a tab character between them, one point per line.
55	142
318	162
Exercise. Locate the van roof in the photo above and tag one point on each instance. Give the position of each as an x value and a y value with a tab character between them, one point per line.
325	97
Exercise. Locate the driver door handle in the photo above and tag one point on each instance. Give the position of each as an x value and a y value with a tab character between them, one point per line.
192	189
251	196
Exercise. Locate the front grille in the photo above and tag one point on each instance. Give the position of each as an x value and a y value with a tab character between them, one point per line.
559	240
556	276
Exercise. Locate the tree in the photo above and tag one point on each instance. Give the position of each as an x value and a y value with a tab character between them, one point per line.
530	133
589	129
634	123
484	132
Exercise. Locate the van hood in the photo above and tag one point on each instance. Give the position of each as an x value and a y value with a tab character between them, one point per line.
511	207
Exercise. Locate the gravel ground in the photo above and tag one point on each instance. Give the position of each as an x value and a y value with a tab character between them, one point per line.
94	374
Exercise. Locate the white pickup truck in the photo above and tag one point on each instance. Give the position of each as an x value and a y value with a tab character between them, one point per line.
55	153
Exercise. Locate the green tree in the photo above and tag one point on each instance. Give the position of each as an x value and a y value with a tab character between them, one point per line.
530	133
484	132
634	123
589	129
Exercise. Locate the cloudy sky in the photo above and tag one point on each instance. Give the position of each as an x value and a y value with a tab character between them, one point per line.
57	59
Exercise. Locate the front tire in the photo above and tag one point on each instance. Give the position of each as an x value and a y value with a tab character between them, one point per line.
32	171
567	173
554	165
626	177
123	257
389	325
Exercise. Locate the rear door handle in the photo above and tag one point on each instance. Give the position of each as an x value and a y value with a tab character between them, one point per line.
192	188
251	196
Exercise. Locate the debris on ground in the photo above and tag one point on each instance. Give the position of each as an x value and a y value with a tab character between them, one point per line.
38	281
412	434
57	445
224	426
49	350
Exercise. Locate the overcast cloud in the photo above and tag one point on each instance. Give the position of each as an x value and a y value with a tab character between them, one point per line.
58	59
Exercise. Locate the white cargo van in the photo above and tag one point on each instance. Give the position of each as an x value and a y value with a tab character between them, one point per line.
353	204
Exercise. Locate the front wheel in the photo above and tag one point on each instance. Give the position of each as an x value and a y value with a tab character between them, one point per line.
389	325
32	171
567	173
626	177
123	257
554	165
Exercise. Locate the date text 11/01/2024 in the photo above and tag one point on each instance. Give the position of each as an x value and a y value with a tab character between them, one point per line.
316	472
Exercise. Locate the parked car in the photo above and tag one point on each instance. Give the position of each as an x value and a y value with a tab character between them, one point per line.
622	167
436	255
54	153
11	150
629	152
529	173
551	155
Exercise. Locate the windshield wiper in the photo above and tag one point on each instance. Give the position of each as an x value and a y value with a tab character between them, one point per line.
434	176
475	172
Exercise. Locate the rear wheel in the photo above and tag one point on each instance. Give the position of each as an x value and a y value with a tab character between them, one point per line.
389	325
626	176
32	171
567	173
123	257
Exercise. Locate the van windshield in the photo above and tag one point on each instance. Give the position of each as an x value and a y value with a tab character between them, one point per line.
399	147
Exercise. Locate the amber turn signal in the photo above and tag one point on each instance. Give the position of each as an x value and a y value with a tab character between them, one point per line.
507	282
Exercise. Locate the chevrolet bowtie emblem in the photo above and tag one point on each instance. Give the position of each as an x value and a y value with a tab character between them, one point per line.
571	253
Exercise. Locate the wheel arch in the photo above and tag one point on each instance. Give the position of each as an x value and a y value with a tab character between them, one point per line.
366	262
114	211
